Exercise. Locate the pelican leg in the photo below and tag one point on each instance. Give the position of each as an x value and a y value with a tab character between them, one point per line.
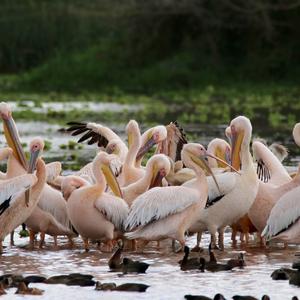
31	239
242	237
108	246
221	238
12	242
197	247
71	243
157	245
182	245
133	245
213	239
233	236
143	244
247	238
42	240
55	241
86	244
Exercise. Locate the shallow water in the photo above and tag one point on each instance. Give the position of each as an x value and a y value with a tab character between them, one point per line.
164	276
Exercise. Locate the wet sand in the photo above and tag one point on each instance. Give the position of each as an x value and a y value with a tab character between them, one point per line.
164	276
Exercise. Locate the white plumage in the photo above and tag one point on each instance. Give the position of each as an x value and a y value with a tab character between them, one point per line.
284	213
15	186
115	209
159	203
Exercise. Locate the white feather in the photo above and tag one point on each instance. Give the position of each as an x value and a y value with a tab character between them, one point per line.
284	213
115	209
53	170
87	172
15	186
158	203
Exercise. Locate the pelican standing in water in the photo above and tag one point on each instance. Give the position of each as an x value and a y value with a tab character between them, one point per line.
167	212
94	213
240	189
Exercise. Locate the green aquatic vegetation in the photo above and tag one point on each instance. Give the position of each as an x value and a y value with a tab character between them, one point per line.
48	145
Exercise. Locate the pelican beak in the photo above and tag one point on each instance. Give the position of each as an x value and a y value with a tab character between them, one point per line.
146	147
129	137
32	163
111	180
157	177
13	141
236	140
221	161
220	154
202	163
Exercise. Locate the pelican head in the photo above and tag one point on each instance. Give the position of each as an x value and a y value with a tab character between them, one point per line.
221	149
35	147
103	160
11	134
132	128
296	134
151	137
241	130
70	184
160	167
113	147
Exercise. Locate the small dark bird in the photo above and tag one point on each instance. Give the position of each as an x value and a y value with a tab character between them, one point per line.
239	262
238	297
134	266
23	289
115	262
110	286
189	264
282	274
199	297
72	279
132	287
34	279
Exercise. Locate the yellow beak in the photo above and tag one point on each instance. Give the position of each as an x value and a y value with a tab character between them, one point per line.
236	139
112	180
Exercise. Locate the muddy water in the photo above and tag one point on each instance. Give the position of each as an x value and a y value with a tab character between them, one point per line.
164	276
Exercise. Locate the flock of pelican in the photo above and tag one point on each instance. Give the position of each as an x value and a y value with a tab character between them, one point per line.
126	193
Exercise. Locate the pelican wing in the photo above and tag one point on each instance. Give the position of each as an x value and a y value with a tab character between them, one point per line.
174	142
92	133
115	209
11	188
285	212
159	203
87	172
269	168
53	170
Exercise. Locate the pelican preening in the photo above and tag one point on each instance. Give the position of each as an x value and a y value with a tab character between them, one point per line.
181	188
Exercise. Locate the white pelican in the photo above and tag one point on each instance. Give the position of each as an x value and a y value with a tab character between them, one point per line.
95	214
240	189
158	166
167	212
18	211
284	221
279	182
